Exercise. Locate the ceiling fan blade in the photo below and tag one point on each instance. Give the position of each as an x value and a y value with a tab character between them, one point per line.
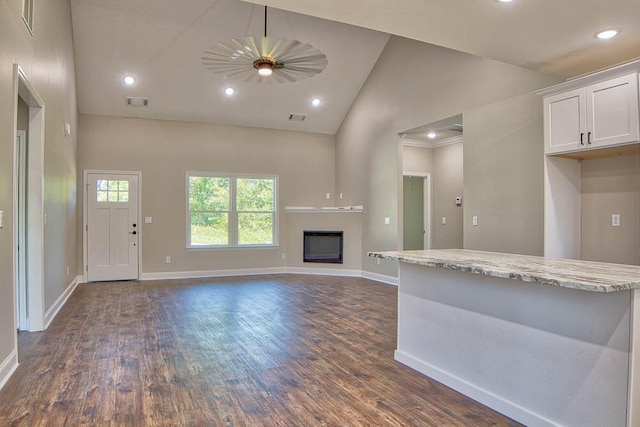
295	60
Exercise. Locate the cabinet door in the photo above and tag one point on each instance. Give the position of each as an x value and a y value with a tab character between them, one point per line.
613	112
564	118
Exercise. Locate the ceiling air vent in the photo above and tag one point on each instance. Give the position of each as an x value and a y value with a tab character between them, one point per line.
135	101
297	117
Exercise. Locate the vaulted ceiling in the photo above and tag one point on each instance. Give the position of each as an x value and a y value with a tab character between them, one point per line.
160	43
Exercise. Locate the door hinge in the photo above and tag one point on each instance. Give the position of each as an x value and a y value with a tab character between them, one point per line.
86	227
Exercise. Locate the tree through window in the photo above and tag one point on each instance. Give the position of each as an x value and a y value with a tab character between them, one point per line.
231	210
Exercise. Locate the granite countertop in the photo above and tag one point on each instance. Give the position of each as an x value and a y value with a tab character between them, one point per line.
566	273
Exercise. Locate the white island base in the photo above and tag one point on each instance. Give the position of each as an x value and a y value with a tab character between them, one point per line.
542	355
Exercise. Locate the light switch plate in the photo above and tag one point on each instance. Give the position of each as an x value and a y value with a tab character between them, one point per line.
1	219
387	220
615	220
475	220
148	220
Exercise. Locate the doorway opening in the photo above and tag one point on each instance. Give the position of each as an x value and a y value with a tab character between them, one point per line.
432	186
28	205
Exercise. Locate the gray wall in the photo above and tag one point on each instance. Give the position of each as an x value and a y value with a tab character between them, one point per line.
48	61
415	83
164	150
611	186
448	183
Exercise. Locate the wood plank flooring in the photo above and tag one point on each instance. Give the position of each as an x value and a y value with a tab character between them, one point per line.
279	350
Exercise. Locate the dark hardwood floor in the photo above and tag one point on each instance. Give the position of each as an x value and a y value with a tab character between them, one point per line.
270	350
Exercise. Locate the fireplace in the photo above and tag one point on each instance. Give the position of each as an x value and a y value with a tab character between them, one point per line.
323	246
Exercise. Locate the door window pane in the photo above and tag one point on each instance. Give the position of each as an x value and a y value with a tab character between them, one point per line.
109	190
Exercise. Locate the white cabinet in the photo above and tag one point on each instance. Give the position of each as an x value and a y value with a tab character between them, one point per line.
600	115
592	166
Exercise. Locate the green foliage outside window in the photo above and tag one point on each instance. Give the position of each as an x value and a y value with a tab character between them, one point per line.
212	213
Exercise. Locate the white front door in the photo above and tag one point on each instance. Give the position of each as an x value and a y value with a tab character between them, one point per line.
112	226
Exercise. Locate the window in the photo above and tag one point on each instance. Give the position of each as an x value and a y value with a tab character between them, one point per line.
231	210
27	14
110	190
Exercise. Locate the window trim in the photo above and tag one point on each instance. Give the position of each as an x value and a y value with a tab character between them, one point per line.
27	6
233	212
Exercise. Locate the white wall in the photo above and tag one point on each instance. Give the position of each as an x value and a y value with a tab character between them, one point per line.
415	83
48	61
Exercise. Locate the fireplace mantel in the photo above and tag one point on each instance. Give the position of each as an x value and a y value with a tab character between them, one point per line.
326	209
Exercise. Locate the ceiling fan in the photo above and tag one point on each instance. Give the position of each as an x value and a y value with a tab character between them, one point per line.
264	60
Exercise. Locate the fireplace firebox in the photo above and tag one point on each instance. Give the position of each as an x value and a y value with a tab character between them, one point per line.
323	246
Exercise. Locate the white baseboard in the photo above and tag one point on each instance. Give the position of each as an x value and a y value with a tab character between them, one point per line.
324	271
212	273
8	367
476	393
389	280
269	270
57	305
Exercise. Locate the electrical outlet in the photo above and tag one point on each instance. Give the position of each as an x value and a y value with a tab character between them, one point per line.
167	260
378	261
284	255
475	220
341	195
328	196
1	219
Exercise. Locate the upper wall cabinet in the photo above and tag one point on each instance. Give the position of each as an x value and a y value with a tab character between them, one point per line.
599	115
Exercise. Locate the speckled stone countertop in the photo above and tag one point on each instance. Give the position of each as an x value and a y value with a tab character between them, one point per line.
566	273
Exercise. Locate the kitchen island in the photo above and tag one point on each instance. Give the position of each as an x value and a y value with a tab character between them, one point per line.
544	341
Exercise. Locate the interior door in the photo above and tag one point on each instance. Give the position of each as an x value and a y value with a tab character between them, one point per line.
413	213
113	230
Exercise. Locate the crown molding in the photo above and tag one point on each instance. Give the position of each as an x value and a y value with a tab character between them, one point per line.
432	144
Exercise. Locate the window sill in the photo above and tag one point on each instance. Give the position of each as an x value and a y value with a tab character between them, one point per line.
231	248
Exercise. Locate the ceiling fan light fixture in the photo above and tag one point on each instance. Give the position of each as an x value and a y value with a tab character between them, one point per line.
265	66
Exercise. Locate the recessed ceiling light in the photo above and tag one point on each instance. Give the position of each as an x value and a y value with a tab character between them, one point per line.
129	80
229	91
607	34
504	1
315	102
432	135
